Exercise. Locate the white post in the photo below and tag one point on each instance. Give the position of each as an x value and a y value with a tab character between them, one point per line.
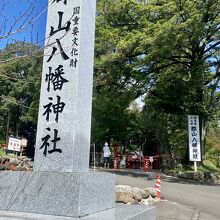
195	166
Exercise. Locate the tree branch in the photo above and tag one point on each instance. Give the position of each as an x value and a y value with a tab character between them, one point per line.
212	47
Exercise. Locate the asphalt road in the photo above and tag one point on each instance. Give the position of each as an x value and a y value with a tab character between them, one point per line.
205	198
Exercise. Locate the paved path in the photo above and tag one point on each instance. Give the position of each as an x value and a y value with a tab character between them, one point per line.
183	199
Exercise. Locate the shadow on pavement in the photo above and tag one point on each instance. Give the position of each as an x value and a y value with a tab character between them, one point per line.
172	179
131	172
138	173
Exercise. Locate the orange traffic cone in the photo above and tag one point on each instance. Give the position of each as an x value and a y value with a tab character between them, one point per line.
157	187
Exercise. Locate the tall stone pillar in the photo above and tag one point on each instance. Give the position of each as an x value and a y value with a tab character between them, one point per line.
64	122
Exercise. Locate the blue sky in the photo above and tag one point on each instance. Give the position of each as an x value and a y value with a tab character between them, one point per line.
11	10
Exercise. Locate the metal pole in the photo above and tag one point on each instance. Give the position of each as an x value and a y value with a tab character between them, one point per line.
94	156
195	166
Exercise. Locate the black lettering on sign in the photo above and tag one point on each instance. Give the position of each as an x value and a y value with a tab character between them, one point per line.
74	52
73	62
63	54
57	108
56	78
46	143
76	10
53	32
76	20
195	156
60	28
75	41
57	1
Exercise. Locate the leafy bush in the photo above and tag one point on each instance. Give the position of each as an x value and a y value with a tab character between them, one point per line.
209	166
2	153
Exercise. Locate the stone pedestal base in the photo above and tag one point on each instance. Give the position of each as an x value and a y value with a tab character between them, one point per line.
120	212
59	194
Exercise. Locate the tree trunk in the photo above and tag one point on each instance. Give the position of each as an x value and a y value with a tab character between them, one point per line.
17	126
203	131
7	128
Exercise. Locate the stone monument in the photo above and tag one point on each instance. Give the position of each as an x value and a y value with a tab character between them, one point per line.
63	134
61	183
